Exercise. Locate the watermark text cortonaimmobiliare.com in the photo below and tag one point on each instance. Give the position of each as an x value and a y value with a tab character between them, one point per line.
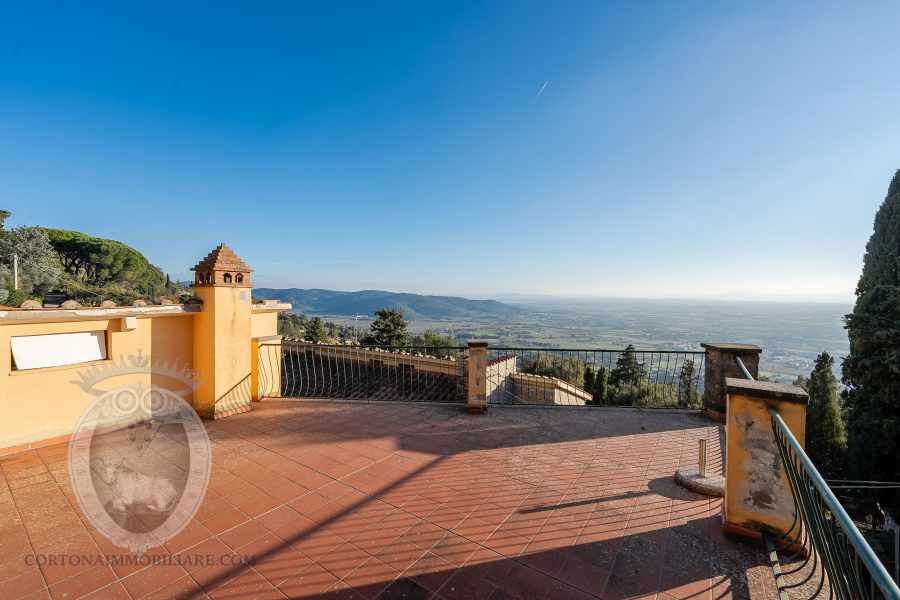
146	560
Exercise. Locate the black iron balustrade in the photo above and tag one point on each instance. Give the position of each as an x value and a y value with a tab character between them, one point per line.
371	373
520	376
602	377
837	561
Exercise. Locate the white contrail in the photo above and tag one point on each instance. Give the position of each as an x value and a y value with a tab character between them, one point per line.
540	92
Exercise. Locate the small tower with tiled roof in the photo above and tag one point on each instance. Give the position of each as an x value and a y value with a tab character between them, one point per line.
222	334
222	267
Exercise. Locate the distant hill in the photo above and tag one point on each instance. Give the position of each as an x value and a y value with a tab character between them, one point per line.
415	306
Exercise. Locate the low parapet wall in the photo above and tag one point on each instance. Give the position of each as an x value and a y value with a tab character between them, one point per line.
499	383
538	389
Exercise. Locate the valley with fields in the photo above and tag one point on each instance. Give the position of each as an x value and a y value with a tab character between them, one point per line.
791	334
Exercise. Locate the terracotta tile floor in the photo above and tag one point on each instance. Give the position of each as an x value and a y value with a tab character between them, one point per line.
357	501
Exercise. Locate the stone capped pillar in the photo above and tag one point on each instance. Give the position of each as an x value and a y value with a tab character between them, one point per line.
221	335
758	496
718	365
477	377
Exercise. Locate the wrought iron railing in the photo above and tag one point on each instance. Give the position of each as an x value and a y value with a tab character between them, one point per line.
646	378
843	562
371	373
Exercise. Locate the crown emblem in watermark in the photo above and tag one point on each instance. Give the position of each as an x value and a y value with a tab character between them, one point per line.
140	364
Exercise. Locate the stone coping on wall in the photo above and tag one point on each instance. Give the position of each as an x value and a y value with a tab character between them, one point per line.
270	305
737	348
500	359
39	315
766	389
554	383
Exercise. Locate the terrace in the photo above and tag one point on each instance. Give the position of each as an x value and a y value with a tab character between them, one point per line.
340	471
387	500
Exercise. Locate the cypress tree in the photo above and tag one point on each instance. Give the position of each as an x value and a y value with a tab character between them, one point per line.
628	371
601	387
388	329
826	437
688	395
588	384
316	331
872	369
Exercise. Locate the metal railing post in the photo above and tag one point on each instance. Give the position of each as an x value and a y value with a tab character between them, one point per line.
702	457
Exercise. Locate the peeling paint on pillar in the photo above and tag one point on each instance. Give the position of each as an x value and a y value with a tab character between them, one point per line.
757	492
762	490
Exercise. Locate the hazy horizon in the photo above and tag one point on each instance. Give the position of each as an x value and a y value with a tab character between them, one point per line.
513	298
592	149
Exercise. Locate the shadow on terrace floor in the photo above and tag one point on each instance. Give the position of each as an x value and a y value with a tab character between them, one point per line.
422	501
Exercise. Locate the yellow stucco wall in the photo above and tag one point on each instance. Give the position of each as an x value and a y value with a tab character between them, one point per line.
39	404
222	349
265	353
263	324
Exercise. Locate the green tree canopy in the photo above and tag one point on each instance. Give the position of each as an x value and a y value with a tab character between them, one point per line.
570	370
688	394
601	387
872	369
881	263
292	325
315	331
38	267
628	372
434	343
388	328
588	383
95	267
97	261
826	437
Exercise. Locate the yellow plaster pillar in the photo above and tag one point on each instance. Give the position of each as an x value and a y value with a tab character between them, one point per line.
222	335
757	492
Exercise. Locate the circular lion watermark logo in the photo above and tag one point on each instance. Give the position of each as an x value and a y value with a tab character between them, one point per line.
139	459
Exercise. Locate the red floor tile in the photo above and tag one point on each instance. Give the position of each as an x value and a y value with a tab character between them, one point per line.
409	501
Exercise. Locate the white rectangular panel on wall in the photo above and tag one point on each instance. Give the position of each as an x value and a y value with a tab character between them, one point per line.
58	349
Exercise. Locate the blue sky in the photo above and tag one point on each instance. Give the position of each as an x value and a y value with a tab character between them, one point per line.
680	149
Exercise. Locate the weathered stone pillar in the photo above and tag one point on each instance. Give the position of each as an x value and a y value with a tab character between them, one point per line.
757	491
477	375
720	364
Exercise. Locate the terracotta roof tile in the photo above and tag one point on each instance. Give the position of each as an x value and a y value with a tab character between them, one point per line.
222	258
